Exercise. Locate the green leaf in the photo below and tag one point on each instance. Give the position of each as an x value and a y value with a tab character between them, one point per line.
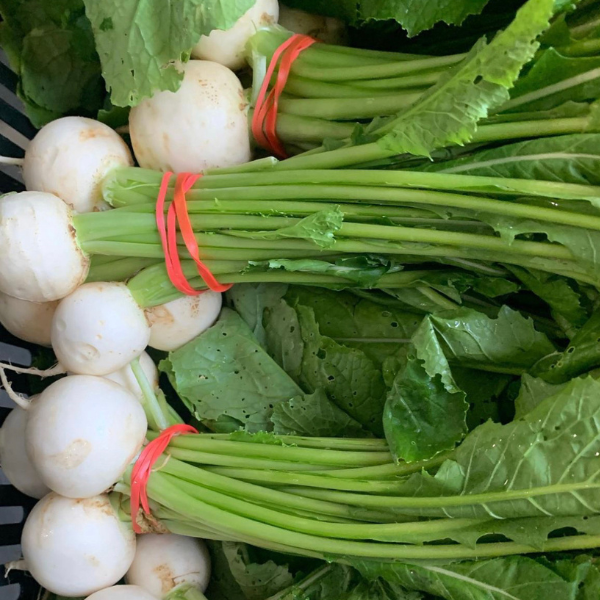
512	578
235	575
50	46
555	79
414	15
566	158
250	301
138	48
558	292
422	417
320	228
507	343
363	269
448	112
227	379
582	355
533	391
352	381
544	464
380	331
314	415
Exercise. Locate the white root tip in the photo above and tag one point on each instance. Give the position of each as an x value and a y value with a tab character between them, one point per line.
9	160
15	565
18	399
57	369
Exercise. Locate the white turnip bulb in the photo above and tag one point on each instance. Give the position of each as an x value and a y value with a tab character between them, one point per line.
98	329
122	592
70	157
82	433
76	547
40	259
29	321
177	322
127	379
14	460
164	561
325	29
227	47
202	125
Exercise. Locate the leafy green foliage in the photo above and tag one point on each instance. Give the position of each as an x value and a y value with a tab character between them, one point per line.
553	449
539	89
414	16
514	578
426	411
448	112
568	158
236	576
50	46
582	354
314	415
136	45
226	379
319	228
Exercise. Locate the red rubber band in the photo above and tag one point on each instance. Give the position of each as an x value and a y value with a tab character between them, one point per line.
178	214
264	119
142	469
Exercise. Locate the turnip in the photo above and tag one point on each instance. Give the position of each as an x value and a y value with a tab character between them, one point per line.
40	259
82	433
325	29
177	322
15	462
98	329
227	47
202	125
70	157
122	592
29	321
76	547
127	379
163	562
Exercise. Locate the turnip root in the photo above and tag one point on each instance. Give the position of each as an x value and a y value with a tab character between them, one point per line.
202	125
122	592
29	321
163	562
325	29
82	433
98	329
76	547
40	259
126	378
15	462
227	47
177	322
70	157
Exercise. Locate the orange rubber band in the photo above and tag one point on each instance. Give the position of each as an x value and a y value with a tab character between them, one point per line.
264	119
142	469
177	214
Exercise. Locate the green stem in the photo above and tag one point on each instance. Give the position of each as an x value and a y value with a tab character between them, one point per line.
391	470
164	489
261	495
156	416
315	456
326	443
348	108
120	269
309	480
212	459
374	71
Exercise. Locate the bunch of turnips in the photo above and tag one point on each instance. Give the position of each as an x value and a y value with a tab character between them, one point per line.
407	391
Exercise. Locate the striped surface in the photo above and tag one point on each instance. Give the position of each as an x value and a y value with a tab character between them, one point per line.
15	131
